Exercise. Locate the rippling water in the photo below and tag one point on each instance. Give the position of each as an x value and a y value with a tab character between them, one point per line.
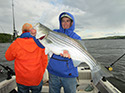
108	51
104	51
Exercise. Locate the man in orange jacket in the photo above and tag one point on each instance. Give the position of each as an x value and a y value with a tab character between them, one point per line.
30	61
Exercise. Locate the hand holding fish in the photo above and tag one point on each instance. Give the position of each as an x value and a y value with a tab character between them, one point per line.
65	54
56	42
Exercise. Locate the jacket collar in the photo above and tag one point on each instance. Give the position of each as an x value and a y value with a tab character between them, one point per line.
26	35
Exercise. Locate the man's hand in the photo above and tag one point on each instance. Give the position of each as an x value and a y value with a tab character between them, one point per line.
33	32
65	54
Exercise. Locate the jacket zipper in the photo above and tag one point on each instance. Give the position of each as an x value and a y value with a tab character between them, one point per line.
64	31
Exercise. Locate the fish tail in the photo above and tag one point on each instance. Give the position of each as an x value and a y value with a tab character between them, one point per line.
98	73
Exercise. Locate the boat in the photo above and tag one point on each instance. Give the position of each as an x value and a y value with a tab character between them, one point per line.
85	84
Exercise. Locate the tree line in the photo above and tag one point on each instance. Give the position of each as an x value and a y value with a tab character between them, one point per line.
7	38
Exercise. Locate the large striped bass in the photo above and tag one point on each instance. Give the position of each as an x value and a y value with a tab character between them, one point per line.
57	42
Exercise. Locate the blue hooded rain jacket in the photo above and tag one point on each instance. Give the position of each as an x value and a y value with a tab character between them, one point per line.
61	66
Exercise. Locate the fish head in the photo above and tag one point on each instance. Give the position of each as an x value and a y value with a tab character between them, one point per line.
42	31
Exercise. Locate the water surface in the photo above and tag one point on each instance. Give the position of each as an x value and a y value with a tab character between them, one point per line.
104	51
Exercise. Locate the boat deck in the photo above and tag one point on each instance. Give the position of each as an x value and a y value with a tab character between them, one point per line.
84	84
82	87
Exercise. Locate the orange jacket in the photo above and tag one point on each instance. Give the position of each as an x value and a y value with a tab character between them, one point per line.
30	61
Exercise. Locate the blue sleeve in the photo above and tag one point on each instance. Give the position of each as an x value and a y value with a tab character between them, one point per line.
38	43
75	36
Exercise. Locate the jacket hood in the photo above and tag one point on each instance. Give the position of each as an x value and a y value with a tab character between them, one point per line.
73	25
27	44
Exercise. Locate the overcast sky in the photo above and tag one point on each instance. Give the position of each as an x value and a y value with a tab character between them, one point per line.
93	18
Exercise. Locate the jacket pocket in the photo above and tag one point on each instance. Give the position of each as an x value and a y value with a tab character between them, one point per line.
59	67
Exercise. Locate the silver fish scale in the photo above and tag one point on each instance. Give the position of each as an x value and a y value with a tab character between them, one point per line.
65	41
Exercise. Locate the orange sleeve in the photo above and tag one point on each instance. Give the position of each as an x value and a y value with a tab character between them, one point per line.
10	53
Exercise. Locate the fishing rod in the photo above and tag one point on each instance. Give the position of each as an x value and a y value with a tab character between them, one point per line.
15	33
10	72
110	66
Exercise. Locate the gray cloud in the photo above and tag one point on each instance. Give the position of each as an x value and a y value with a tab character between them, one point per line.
92	17
101	14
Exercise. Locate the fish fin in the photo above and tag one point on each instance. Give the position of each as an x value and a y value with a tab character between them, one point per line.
98	73
76	63
46	50
48	41
82	43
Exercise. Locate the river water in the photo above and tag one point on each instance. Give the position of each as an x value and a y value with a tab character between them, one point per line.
104	51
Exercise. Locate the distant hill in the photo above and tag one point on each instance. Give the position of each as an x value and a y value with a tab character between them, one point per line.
110	37
114	37
6	38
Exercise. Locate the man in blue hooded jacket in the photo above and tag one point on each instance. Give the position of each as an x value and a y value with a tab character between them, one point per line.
62	72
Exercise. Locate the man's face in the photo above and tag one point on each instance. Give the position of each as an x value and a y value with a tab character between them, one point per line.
66	23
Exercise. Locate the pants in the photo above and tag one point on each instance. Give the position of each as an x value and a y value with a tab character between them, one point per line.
56	82
25	89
